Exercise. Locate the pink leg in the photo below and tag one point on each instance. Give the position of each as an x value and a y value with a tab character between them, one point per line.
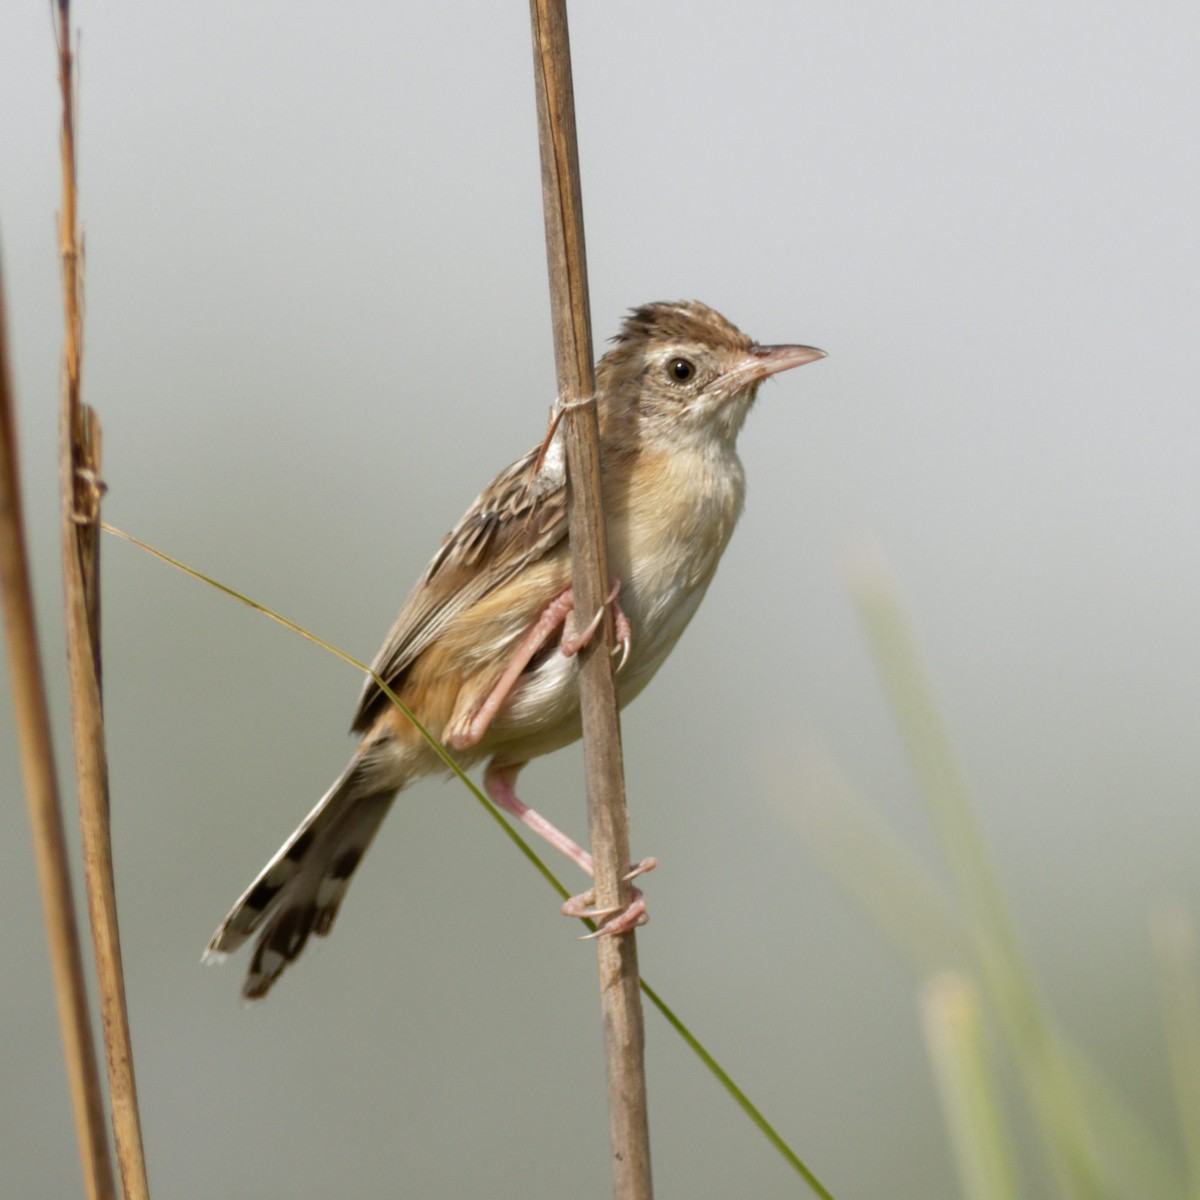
553	615
556	613
498	783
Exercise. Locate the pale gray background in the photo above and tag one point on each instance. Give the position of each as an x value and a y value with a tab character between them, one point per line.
317	323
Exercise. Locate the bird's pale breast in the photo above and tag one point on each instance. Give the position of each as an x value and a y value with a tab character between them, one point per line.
666	534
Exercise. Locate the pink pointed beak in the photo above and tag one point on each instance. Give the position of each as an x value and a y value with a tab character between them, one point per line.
761	361
770	360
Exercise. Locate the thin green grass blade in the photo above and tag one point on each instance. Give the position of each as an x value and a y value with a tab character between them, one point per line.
741	1099
441	751
979	1136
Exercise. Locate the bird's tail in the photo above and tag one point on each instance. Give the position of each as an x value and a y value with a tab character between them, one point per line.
298	892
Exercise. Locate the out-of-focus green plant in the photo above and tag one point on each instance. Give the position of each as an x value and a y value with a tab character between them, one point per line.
980	1000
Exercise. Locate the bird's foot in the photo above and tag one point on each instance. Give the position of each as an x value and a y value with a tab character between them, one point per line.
573	642
621	919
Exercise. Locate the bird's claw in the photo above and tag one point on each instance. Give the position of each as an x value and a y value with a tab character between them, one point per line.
641	868
622	637
623	918
623	922
573	642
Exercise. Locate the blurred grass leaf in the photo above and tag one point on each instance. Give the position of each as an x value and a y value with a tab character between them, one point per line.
1095	1146
953	1020
1174	939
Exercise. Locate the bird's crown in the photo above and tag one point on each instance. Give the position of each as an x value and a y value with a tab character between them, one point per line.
679	321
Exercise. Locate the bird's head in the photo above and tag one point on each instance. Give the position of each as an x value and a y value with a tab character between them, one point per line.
682	370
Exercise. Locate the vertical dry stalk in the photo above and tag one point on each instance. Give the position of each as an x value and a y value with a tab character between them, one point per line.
79	478
45	812
620	998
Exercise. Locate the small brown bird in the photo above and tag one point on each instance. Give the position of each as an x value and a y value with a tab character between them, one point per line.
483	649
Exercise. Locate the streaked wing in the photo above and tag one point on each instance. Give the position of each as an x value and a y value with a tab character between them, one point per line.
513	522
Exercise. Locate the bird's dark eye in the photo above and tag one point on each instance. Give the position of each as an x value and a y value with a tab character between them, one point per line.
680	370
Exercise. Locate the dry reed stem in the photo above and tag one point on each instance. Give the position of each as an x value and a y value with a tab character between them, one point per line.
45	811
79	478
620	999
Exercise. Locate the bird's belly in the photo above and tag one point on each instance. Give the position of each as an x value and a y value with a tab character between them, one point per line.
542	713
664	564
657	620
